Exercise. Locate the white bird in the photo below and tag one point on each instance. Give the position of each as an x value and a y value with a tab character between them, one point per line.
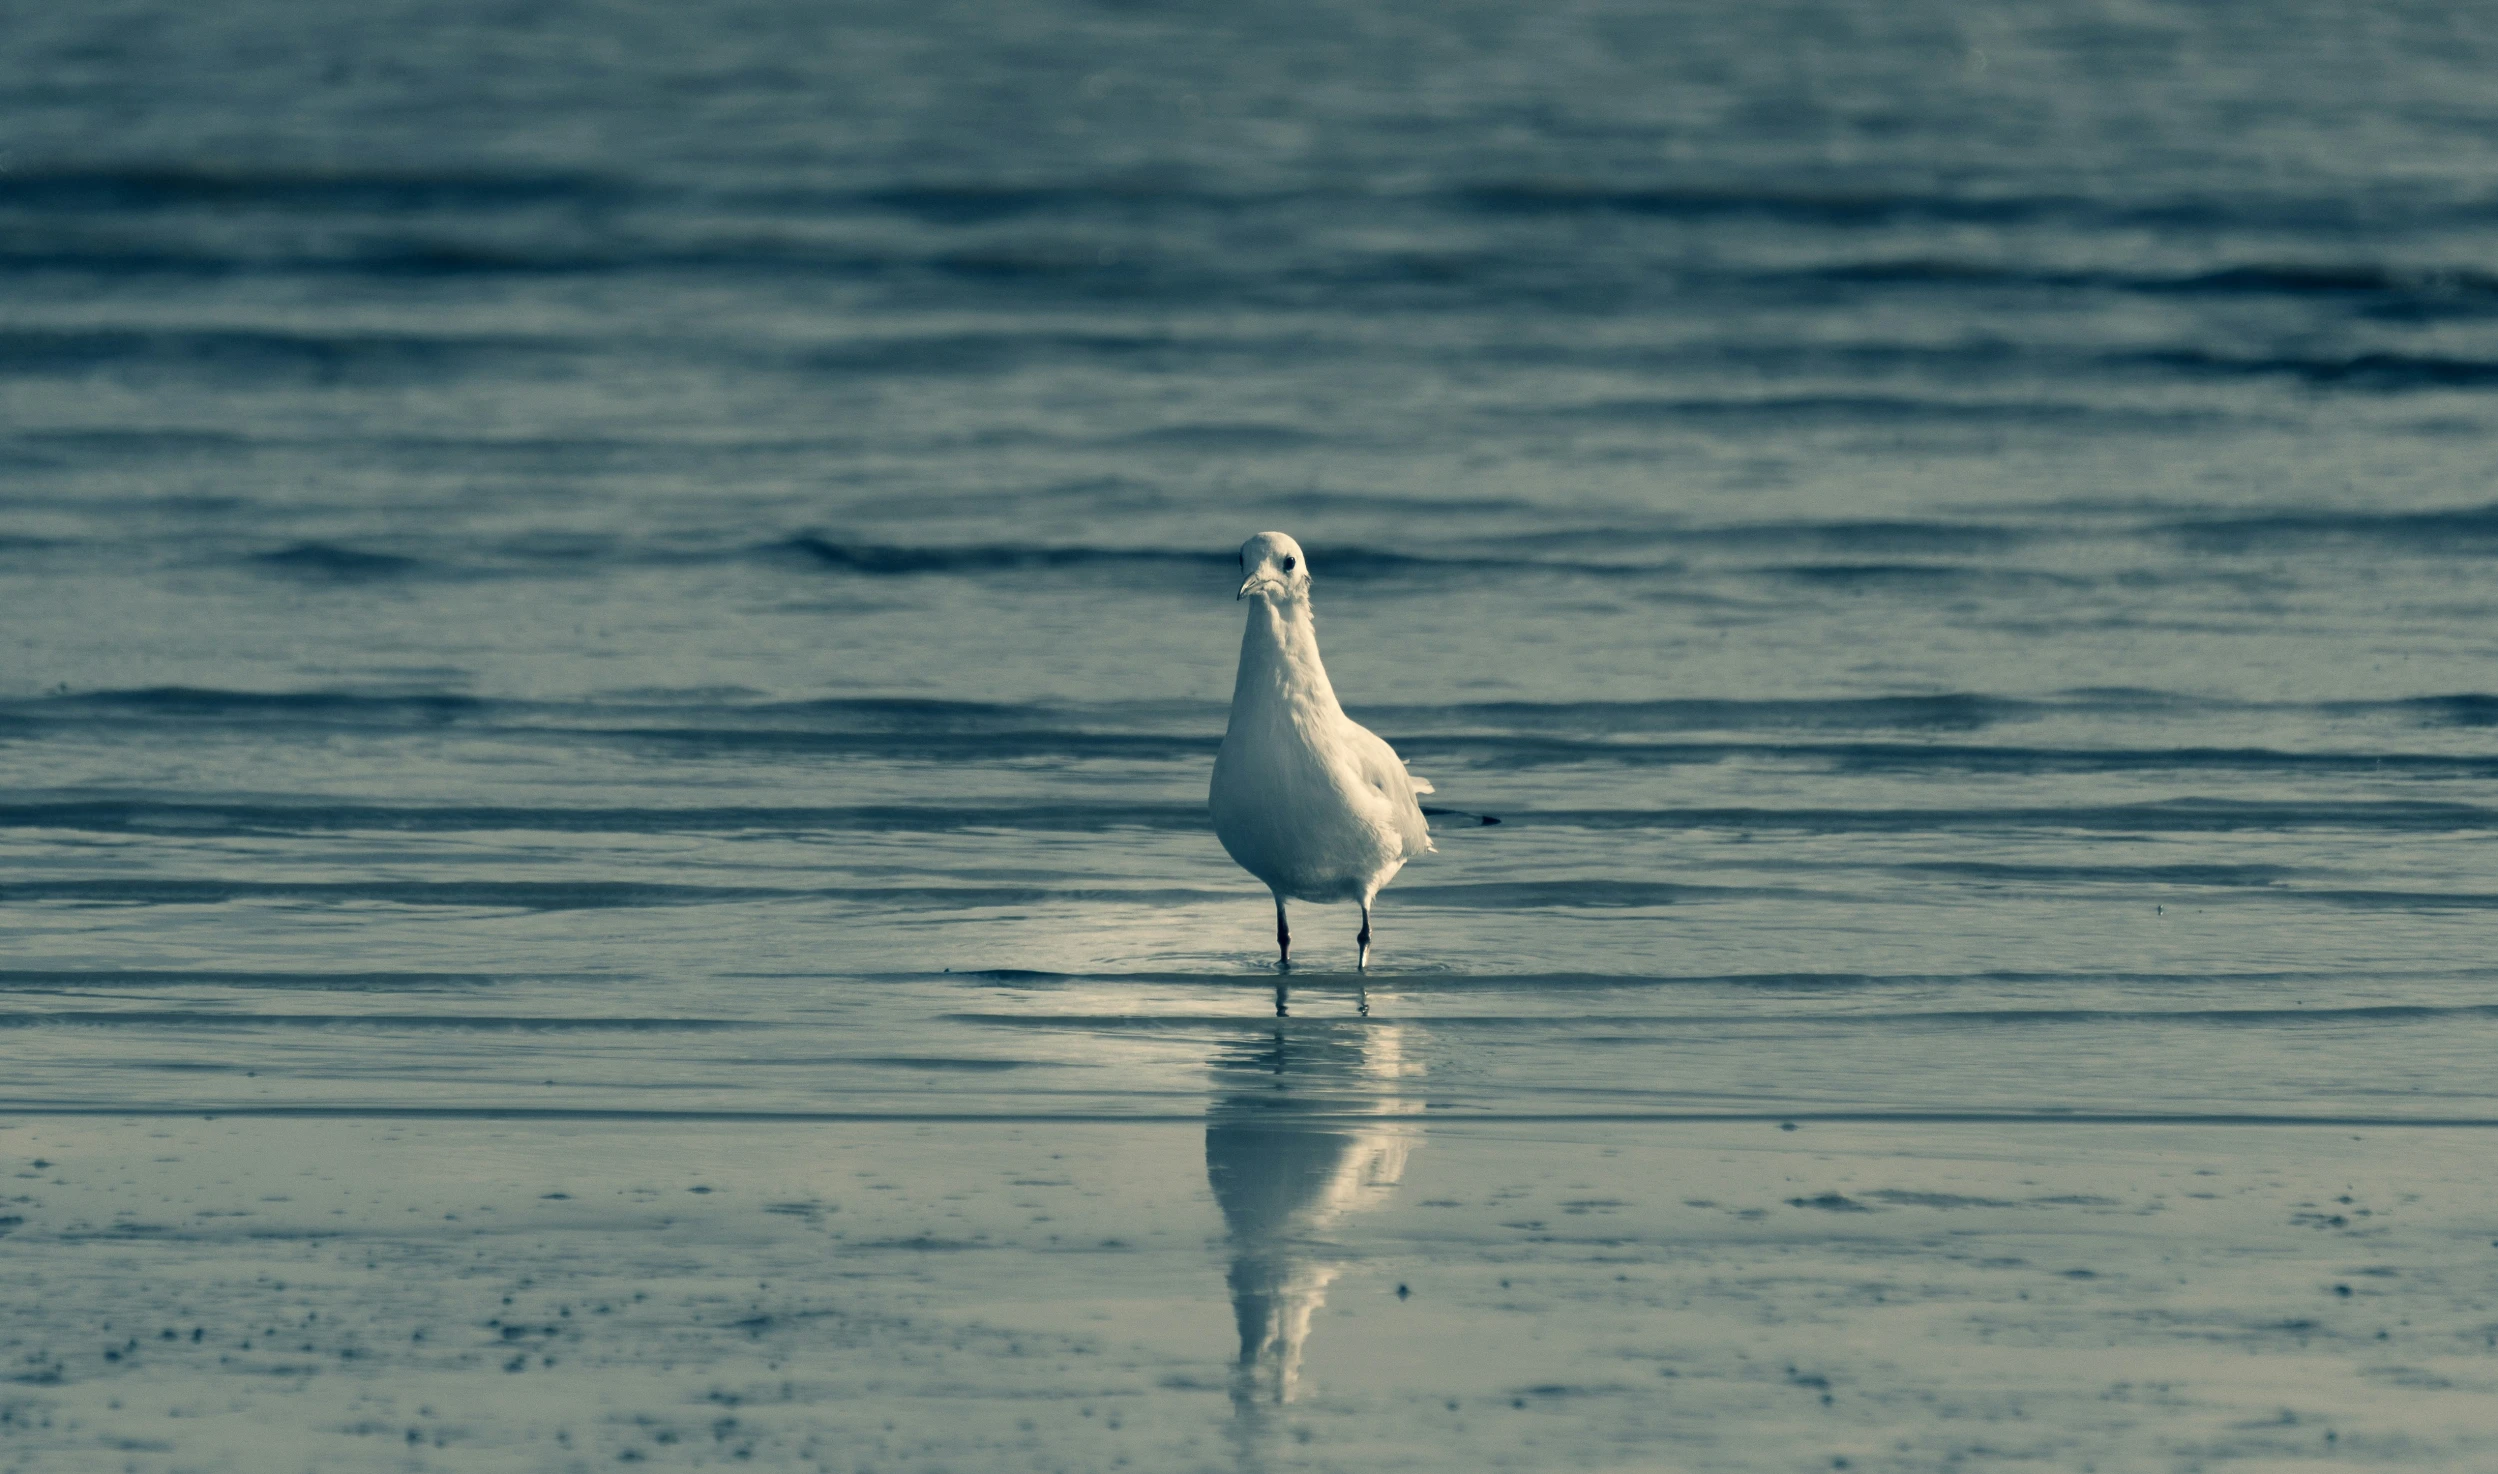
1305	798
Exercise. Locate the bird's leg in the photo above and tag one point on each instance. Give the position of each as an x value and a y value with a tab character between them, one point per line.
1362	943
1283	936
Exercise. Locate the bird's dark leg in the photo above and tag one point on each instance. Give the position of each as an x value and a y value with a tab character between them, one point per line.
1362	943
1283	936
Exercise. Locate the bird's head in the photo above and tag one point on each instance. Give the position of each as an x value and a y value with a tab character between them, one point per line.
1273	567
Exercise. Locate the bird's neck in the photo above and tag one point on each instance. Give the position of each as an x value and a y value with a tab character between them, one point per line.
1279	666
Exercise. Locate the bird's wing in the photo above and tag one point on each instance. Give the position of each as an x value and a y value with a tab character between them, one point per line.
1384	772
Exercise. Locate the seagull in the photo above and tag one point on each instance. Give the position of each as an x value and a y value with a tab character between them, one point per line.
1305	798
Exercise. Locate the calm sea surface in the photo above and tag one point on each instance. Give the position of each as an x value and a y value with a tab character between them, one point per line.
607	563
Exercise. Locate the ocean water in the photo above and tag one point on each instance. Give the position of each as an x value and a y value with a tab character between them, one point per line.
613	620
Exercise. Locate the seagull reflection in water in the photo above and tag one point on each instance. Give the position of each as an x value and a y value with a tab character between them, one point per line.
1310	1122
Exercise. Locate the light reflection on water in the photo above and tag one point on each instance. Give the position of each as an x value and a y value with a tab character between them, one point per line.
1308	1125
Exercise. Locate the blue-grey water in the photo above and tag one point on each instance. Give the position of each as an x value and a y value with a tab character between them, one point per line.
596	583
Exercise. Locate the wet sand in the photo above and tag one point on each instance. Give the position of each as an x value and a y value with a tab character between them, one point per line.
1275	1287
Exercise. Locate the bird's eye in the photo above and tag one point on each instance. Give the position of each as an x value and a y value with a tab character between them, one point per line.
1288	564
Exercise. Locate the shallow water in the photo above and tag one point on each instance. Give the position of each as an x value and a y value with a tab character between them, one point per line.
605	601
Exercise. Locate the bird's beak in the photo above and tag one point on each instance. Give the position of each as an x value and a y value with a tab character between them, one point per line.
1255	582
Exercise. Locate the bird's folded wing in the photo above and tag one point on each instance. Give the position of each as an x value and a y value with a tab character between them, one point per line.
1382	770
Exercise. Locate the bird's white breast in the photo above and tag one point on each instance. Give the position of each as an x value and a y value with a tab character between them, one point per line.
1303	798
